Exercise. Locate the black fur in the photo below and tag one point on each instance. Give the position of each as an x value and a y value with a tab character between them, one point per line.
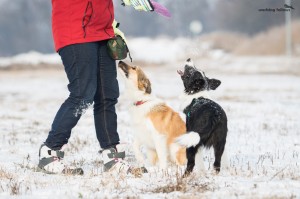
204	116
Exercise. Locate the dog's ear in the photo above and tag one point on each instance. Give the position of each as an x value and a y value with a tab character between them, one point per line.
143	82
147	86
213	84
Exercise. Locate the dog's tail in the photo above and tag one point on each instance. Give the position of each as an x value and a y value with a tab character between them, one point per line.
189	139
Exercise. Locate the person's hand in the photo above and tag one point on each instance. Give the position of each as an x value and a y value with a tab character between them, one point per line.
140	5
117	31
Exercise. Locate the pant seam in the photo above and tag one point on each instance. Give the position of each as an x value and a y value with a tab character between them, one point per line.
76	68
103	97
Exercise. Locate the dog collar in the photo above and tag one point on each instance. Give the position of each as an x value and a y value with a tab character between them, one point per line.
139	103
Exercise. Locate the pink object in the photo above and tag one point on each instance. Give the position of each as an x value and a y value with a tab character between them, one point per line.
160	9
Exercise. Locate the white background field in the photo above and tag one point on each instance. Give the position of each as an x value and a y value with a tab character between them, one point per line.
261	97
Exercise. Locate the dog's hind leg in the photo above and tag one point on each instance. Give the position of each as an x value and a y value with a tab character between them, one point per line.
162	151
190	154
152	156
177	154
199	160
218	150
181	156
137	152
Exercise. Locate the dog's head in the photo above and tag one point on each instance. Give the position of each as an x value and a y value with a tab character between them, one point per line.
195	81
135	77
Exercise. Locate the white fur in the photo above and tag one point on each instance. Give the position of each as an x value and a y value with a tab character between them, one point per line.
190	63
161	147
199	160
147	136
174	147
189	139
187	99
143	131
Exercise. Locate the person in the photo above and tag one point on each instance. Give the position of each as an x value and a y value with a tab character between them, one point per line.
81	29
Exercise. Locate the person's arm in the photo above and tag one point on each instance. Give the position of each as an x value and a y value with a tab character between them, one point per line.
118	31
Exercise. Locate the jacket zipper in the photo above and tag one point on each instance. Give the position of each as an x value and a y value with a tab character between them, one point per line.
89	4
84	16
109	19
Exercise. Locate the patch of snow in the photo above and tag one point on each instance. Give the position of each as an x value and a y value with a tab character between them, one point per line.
162	50
30	58
263	142
146	50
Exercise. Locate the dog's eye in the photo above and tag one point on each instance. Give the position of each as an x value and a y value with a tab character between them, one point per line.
133	67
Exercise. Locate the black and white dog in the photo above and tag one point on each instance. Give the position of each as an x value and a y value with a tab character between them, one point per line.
206	121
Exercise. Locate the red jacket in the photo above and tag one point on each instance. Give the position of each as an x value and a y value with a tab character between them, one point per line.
80	21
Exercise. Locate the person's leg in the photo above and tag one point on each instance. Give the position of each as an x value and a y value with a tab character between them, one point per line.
105	99
80	62
113	153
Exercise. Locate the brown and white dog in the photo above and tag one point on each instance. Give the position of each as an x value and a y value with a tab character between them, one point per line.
156	125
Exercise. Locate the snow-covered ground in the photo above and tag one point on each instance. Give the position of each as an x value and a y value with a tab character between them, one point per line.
262	101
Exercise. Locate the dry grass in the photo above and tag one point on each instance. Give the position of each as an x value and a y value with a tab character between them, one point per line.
175	182
5	174
179	185
270	42
11	183
14	187
226	41
76	144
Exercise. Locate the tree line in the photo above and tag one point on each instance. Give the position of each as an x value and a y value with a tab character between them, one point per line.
26	25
